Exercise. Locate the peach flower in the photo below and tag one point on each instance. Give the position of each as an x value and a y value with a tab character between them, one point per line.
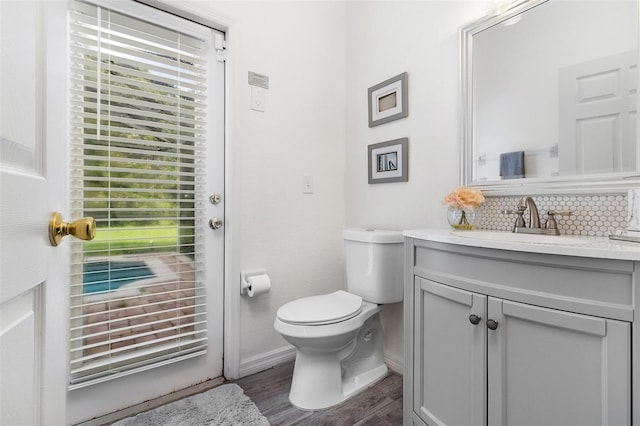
464	198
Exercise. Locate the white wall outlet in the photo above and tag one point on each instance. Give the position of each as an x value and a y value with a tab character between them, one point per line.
258	98
307	184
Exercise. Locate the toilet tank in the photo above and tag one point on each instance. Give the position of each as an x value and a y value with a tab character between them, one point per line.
374	260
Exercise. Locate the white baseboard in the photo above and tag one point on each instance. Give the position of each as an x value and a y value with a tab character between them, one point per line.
394	363
264	361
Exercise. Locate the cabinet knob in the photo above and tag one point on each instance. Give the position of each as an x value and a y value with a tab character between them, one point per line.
474	319
492	324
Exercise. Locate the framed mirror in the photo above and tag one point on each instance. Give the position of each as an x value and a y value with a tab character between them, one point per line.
549	98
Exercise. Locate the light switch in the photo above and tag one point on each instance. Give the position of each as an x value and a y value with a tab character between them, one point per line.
258	98
307	184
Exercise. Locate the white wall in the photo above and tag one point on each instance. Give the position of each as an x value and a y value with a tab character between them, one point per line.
384	39
321	57
296	237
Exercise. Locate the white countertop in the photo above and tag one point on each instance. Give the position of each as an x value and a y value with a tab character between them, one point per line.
597	247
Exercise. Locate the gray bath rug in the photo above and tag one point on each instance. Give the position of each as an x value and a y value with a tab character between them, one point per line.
226	405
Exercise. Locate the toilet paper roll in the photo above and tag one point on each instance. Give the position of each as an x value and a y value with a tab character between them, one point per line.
633	209
258	284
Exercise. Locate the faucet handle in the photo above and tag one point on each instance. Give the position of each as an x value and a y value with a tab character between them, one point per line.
519	211
560	212
551	221
520	219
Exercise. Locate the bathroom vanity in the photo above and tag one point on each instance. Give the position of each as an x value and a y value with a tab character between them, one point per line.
505	329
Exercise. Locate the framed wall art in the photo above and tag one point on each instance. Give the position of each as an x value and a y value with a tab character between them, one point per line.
389	161
388	101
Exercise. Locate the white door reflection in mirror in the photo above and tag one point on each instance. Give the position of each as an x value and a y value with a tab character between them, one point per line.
598	115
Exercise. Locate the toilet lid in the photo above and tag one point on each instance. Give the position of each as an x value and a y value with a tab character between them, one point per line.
318	310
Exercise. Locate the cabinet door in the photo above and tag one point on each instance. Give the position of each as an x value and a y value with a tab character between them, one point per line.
549	367
449	355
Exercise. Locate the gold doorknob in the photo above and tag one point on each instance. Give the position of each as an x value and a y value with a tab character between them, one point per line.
83	228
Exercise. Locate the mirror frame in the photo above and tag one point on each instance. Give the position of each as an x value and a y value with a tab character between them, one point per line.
579	184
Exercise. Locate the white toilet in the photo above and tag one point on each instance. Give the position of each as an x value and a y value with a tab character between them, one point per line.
338	335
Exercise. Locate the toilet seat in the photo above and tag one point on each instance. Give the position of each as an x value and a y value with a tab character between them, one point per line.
320	310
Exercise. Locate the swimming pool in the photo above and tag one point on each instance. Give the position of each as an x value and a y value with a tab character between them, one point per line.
110	275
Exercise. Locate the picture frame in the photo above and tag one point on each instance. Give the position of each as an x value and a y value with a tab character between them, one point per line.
389	161
388	101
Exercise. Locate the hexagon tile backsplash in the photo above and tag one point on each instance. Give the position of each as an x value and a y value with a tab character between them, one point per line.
593	215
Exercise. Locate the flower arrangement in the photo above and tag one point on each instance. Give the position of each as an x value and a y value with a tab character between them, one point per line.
464	198
462	202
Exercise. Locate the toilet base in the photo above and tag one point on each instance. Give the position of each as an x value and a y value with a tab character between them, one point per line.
324	380
364	380
315	381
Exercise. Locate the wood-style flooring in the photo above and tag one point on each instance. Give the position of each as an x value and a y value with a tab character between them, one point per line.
380	405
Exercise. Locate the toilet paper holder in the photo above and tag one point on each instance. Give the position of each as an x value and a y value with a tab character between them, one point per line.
244	279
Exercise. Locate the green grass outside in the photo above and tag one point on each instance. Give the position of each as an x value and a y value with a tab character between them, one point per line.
131	240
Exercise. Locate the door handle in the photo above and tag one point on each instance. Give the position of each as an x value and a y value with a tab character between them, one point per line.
83	228
215	223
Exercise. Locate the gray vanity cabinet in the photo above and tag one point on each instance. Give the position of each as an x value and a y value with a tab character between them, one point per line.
550	367
488	344
449	379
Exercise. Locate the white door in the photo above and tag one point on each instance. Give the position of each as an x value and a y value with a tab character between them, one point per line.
34	280
24	201
597	107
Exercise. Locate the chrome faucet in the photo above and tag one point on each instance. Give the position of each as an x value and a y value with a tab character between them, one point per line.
550	226
534	216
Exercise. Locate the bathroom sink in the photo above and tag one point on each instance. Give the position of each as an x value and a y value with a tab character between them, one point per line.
520	238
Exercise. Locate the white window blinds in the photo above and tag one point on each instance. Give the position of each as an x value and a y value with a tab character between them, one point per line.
138	95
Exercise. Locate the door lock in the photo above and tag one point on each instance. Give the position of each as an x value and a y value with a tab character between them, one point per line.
215	199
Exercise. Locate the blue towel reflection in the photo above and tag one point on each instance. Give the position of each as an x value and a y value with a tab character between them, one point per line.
512	165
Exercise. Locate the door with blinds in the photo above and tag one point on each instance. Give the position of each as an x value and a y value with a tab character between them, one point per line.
146	161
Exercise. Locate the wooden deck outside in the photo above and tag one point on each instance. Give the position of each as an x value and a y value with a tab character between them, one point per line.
160	310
